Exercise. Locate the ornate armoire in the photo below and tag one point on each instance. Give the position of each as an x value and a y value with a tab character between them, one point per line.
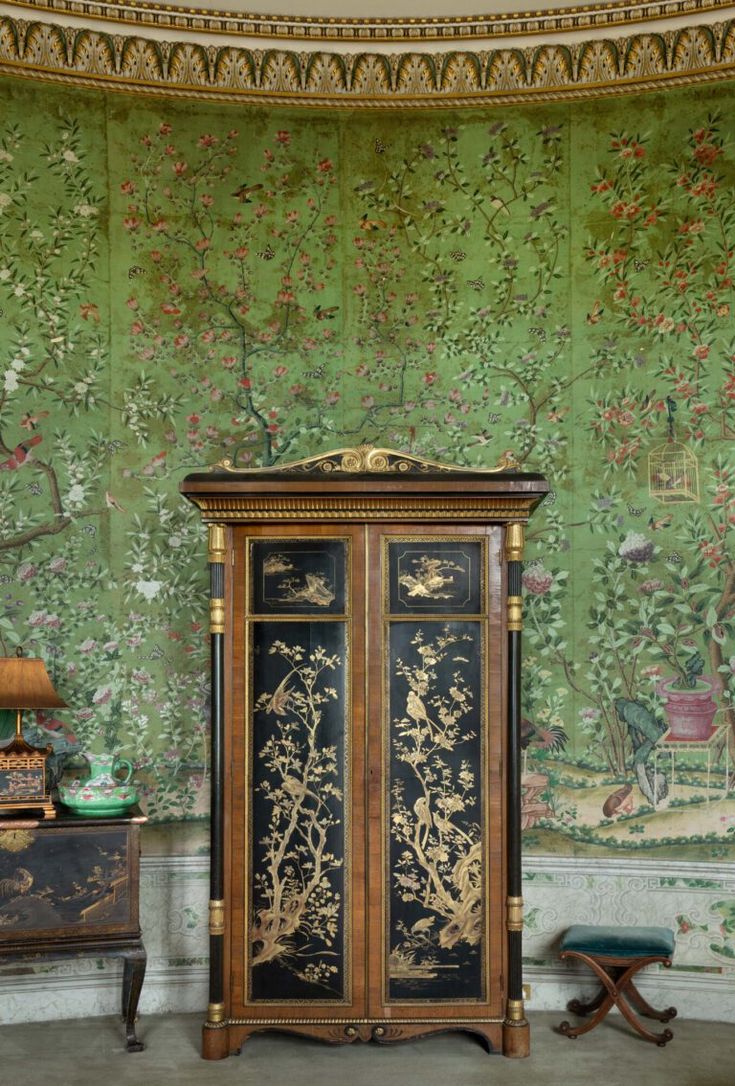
365	849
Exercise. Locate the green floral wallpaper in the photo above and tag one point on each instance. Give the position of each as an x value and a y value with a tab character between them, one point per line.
180	281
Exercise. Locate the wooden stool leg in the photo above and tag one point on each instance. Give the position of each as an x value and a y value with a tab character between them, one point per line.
645	1008
617	989
624	993
601	1004
576	1006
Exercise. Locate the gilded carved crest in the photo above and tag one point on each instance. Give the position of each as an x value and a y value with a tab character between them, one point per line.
366	459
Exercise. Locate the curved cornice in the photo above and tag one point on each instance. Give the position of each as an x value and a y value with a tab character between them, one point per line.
562	20
546	72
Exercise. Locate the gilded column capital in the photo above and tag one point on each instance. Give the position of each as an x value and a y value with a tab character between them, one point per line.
514	542
216	543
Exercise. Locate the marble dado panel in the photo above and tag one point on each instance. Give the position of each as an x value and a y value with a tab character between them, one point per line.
697	900
88	57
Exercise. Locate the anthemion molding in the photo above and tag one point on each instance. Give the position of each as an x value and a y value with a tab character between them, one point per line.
86	55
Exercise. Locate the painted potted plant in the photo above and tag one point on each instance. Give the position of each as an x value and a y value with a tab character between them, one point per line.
688	699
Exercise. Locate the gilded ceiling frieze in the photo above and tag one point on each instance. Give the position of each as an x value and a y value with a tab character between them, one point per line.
89	57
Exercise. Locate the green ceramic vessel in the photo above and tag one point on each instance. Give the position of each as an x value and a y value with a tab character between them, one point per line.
102	792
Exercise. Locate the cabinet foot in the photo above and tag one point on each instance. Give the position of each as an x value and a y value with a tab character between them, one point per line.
516	1039
215	1042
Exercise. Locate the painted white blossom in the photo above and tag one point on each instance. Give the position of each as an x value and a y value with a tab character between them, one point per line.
11	380
69	155
18	364
76	494
85	211
5	273
149	589
5	156
102	695
5	201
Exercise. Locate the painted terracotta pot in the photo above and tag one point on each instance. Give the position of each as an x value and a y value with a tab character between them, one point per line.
690	712
102	792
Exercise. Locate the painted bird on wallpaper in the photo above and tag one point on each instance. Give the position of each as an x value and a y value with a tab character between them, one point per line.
20	453
112	503
595	314
644	731
30	421
553	738
327	314
244	192
371	224
90	309
619	802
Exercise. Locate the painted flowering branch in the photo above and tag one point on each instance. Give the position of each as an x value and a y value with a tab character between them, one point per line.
250	261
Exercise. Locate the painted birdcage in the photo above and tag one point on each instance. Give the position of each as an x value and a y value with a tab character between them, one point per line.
673	473
673	469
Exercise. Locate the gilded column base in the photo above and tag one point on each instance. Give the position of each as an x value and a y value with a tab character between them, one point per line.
516	1031
215	1041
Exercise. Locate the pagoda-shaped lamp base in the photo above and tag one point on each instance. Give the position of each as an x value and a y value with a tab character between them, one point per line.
25	684
23	778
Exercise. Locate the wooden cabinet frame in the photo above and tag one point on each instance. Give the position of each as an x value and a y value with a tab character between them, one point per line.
430	910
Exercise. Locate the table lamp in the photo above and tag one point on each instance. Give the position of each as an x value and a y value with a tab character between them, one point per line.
25	684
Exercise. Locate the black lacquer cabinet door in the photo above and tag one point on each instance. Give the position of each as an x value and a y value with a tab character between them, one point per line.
434	722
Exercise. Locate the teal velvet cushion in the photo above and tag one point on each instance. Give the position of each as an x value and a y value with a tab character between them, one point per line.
619	942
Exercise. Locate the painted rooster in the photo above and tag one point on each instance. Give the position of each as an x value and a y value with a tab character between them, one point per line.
553	738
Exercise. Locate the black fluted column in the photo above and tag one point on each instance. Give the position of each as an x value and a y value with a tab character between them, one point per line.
217	552
515	1013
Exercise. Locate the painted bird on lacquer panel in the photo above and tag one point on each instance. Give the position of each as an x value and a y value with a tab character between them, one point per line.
416	709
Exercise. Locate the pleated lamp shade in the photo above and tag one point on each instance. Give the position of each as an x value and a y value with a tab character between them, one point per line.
25	684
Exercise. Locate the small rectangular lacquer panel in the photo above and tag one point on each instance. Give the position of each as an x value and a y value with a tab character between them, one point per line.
299	869
70	880
22	782
298	576
434	863
434	576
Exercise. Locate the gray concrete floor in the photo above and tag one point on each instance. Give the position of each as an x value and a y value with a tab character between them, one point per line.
90	1053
